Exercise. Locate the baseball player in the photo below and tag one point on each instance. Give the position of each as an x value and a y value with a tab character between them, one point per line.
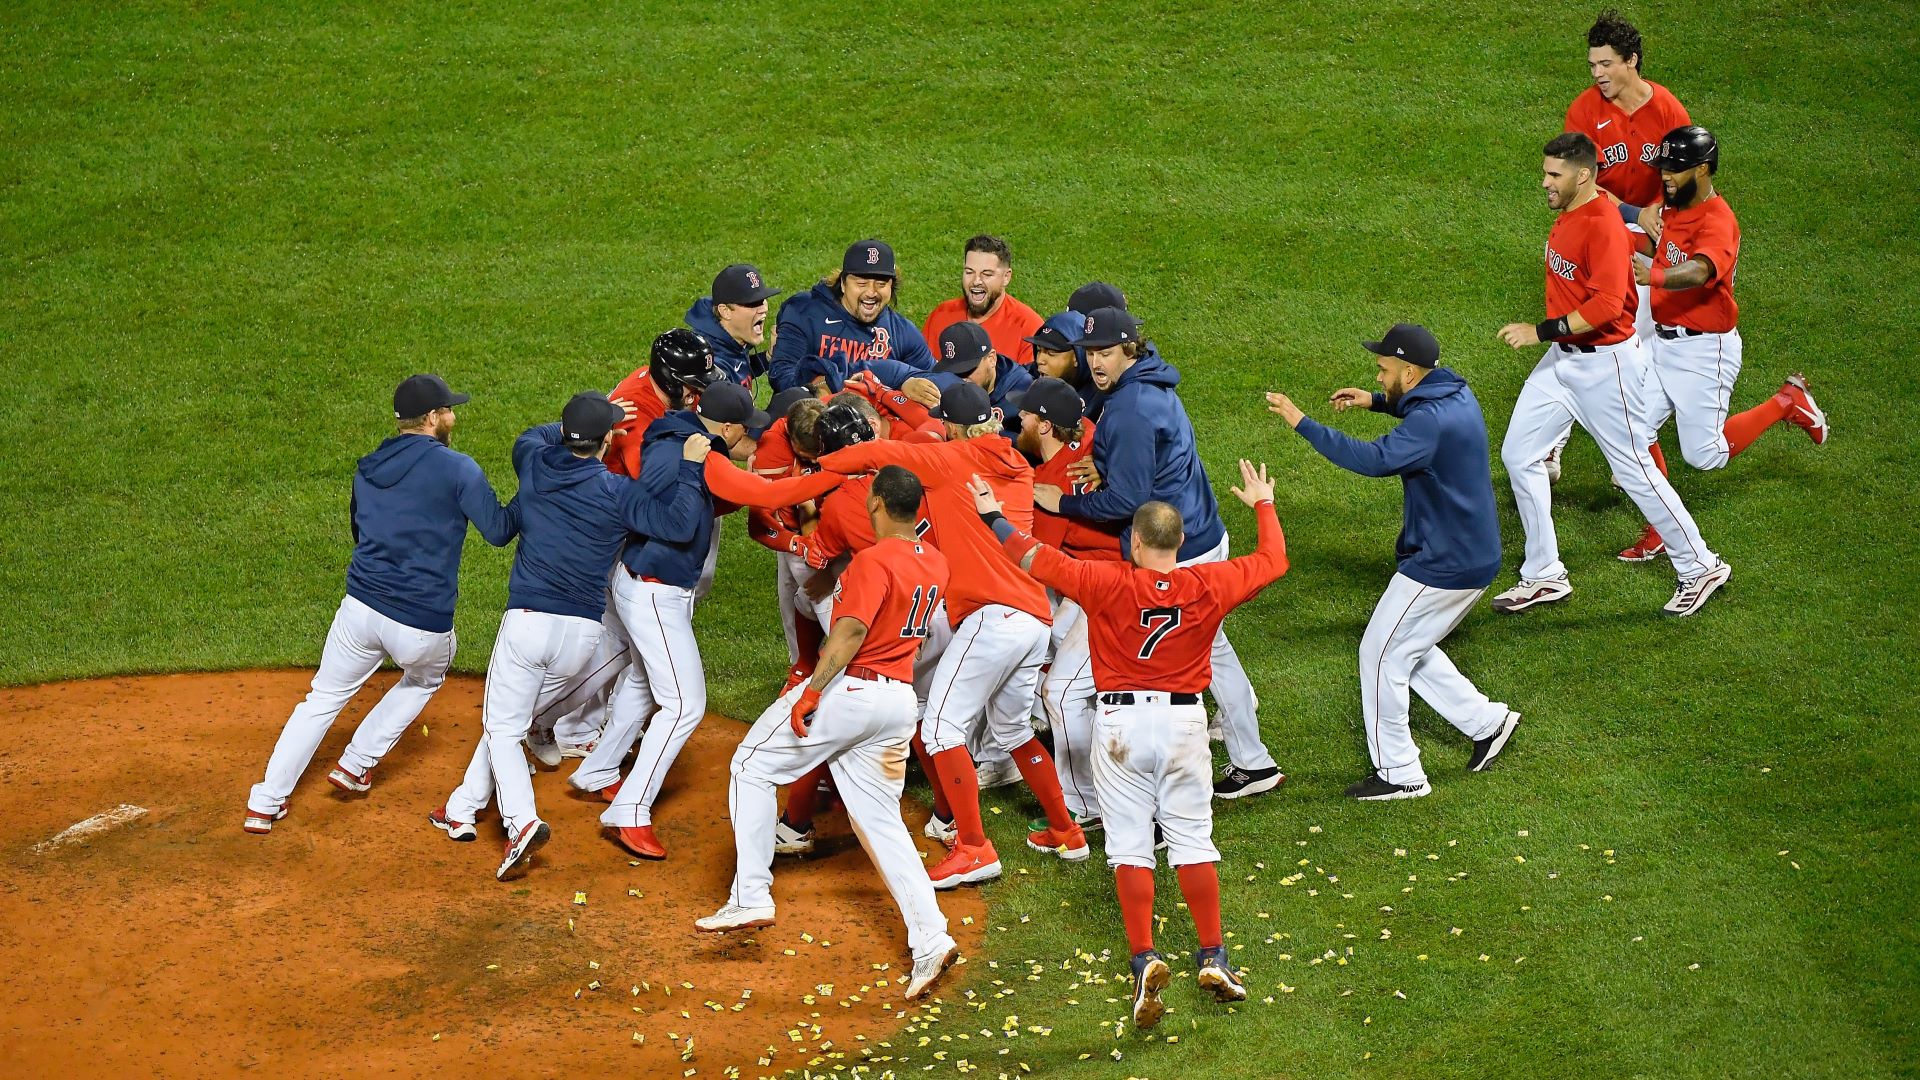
732	318
985	275
1448	553
965	352
789	448
1591	373
1693	356
1144	451
574	519
412	500
846	324
1057	355
856	716
999	619
1152	623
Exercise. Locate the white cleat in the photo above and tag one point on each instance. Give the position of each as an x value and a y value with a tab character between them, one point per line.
944	831
1692	594
545	751
734	917
926	972
788	840
1530	593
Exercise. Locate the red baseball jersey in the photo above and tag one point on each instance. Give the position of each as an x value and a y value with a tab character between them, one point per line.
1627	141
906	418
1007	325
1590	270
1080	539
1149	630
774	459
623	456
892	589
1708	230
982	574
844	525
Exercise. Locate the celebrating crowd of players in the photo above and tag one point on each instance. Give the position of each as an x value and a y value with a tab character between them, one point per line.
995	518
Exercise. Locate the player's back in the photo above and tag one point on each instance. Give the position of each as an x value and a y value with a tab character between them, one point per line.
623	456
893	587
1154	630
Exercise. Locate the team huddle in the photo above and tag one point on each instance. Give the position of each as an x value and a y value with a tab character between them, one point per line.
992	527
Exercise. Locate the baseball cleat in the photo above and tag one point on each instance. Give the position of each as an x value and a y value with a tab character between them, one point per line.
966	866
518	857
1552	462
610	792
349	781
734	917
925	972
941	829
1690	595
788	840
545	751
576	750
1238	783
638	839
1646	549
455	830
1070	844
1087	822
1375	789
1217	978
1803	413
260	823
1150	976
1485	750
999	773
1528	593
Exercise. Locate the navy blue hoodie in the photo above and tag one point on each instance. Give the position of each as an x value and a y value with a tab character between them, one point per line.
574	520
728	355
412	499
1143	446
1450	538
813	324
1092	398
673	557
1009	380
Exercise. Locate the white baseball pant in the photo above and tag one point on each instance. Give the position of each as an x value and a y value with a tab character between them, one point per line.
1233	692
991	666
790	574
357	641
665	690
1068	696
1400	652
1152	762
573	709
1691	380
862	730
1601	390
533	658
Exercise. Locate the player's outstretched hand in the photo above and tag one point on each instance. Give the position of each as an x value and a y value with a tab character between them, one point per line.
922	391
1520	335
805	548
1282	406
1085	475
1650	223
1255	486
696	448
803	709
983	499
1642	274
1351	397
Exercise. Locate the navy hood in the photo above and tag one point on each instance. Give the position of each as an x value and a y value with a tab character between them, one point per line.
728	355
392	460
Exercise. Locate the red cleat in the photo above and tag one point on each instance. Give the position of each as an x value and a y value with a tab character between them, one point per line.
1069	844
1802	412
966	866
640	840
1646	549
610	792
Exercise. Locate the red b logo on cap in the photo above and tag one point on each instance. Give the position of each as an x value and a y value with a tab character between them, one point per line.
873	256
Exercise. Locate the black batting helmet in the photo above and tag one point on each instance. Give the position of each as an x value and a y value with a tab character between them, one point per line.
843	425
681	357
1684	147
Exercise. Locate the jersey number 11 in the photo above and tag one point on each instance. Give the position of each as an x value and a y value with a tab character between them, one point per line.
921	617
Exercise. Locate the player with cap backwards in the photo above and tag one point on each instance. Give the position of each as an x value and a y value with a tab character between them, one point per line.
412	499
732	318
1694	354
1592	372
1144	452
1448	552
985	275
574	519
847	323
964	351
856	717
1151	623
999	618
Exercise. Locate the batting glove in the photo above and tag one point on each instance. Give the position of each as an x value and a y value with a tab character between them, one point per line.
803	710
804	548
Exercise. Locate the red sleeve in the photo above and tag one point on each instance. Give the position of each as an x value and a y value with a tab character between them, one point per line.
928	461
1240	580
1719	244
938	319
1076	580
767	530
774	455
745	489
861	592
1609	269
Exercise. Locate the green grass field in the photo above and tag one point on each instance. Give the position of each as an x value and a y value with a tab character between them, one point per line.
226	231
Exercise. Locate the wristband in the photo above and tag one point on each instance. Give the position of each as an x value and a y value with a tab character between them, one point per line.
990	517
1553	329
1630	215
1657	277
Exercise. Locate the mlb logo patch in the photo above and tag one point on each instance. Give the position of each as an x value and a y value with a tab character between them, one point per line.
1161	585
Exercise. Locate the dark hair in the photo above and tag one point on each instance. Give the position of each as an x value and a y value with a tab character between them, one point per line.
899	491
1573	148
583	447
1613	30
991	245
803	425
1157	525
833	281
858	401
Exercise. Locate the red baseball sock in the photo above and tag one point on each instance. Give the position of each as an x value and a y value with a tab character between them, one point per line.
940	808
802	794
963	793
1036	768
1742	429
1200	887
1659	457
1135	886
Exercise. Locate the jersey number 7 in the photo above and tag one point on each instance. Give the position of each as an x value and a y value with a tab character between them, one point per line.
921	617
1167	620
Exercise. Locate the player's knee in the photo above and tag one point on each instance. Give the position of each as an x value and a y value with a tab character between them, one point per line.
1706	457
1517	458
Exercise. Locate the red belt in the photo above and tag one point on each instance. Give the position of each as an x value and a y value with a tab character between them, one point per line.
860	671
640	577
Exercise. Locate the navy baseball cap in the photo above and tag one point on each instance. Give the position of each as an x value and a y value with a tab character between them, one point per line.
741	283
1095	295
1107	327
783	402
963	403
730	403
1407	341
1058	334
869	258
419	395
961	348
588	417
1051	400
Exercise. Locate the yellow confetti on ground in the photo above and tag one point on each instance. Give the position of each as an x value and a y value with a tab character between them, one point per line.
580	898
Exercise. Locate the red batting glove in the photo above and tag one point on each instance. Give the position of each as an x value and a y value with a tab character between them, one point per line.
803	711
804	548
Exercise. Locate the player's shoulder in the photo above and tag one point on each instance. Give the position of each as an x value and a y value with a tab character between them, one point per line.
1020	311
1668	104
1581	110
